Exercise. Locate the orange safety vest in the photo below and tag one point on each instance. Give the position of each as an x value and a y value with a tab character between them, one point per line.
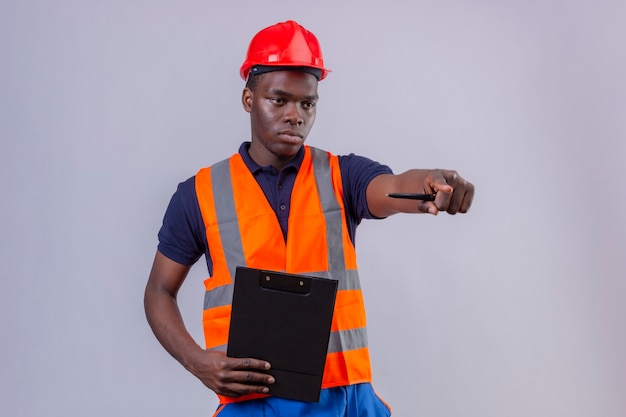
242	230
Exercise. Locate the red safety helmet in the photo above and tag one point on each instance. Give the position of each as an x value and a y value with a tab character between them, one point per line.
284	44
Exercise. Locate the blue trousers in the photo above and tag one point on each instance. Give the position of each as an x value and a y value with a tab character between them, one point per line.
358	400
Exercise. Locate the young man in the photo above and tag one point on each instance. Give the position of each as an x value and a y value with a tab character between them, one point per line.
280	205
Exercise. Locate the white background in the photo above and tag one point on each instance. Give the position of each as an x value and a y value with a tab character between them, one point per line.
516	309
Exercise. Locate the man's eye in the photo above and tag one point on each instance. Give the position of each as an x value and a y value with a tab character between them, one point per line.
308	105
277	100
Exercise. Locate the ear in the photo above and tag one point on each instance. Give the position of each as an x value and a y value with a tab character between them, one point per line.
246	99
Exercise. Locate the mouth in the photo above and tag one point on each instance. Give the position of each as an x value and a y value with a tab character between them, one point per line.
290	136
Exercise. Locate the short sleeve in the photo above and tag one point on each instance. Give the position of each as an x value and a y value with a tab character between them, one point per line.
356	174
182	237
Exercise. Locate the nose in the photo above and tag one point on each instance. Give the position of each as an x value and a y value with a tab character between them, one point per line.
293	114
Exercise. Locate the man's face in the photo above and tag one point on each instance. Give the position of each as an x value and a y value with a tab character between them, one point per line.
282	112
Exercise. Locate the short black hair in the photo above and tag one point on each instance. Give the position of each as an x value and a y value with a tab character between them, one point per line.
253	81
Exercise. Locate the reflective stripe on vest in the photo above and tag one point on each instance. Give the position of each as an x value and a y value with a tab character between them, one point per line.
242	229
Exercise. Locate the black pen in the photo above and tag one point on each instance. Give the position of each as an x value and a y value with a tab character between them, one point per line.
408	196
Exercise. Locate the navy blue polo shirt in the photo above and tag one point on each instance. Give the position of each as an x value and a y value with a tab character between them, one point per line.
182	237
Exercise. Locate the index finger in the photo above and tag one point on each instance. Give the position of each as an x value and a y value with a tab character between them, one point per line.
251	363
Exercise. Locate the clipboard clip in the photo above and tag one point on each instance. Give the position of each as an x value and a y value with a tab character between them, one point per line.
286	283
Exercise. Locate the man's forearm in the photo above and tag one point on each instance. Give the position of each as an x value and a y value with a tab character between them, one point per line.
167	325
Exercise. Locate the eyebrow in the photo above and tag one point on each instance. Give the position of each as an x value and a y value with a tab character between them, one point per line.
279	92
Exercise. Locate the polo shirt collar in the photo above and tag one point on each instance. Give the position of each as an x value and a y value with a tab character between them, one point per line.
256	168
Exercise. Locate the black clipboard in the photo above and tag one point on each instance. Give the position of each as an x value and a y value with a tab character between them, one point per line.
284	319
